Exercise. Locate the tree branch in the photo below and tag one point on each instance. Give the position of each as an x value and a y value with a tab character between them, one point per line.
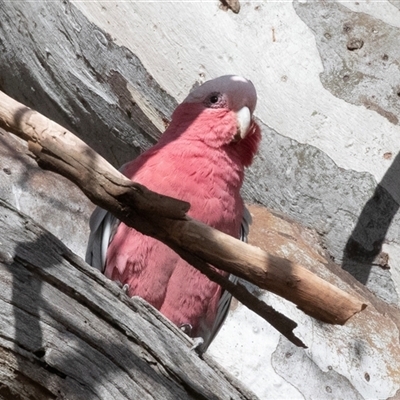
165	219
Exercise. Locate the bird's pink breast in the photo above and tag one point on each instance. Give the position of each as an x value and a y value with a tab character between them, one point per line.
209	179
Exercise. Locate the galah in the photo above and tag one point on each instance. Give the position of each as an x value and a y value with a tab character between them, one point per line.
200	158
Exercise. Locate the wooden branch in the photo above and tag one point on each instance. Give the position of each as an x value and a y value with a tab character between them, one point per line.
164	218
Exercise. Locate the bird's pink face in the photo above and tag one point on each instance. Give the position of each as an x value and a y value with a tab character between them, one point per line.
220	113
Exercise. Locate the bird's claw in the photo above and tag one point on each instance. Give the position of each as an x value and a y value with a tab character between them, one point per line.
186	328
197	342
125	288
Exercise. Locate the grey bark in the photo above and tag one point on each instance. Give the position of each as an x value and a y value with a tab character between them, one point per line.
57	62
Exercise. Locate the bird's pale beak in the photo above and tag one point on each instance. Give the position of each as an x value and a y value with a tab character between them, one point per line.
243	117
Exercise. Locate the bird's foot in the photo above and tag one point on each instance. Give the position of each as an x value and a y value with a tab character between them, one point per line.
125	289
186	328
197	342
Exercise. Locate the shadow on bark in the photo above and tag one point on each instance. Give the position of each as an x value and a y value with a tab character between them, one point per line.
363	248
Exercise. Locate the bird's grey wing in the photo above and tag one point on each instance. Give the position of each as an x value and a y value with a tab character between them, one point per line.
102	228
226	297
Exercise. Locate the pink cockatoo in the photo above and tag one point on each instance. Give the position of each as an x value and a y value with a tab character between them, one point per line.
200	158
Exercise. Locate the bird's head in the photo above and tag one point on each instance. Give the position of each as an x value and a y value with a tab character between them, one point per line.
220	113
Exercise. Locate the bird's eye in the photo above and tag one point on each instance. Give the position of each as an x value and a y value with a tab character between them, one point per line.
215	100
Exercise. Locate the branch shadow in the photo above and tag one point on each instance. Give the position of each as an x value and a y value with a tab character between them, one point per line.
364	246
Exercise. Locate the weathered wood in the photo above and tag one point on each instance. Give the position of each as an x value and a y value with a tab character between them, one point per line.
69	332
59	150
